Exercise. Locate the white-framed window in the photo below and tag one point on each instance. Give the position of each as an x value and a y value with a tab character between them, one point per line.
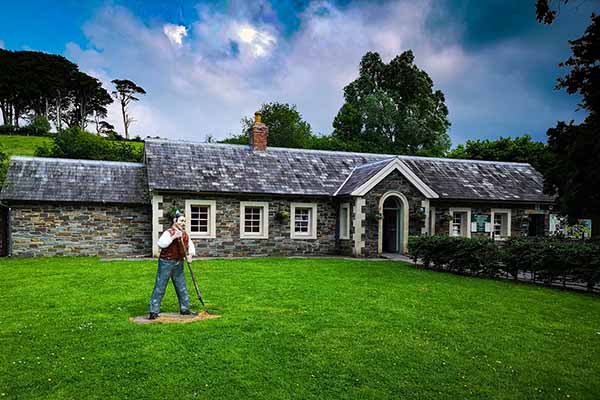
460	223
500	223
303	220
200	218
254	220
345	221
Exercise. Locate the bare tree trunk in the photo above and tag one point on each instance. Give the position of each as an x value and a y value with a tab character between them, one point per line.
58	112
3	110
125	122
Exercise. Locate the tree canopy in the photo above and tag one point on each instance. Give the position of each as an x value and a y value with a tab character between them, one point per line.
519	149
39	84
125	92
393	108
287	128
574	168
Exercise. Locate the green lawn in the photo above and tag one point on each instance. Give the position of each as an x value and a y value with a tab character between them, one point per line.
22	145
292	328
26	145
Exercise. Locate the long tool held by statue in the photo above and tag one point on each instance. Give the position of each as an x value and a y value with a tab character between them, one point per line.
191	271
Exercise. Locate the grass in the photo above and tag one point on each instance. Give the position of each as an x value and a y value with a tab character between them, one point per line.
26	145
22	145
292	328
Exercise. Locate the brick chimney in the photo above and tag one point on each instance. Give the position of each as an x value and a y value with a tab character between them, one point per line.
259	134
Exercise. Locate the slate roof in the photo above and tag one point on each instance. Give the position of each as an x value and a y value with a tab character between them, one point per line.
56	179
480	180
207	167
360	175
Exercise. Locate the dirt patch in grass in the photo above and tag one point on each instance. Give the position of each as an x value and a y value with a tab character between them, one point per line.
173	318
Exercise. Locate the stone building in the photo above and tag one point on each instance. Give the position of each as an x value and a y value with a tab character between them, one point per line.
253	200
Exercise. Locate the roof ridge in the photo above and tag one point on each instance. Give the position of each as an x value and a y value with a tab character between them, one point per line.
337	152
371	163
77	160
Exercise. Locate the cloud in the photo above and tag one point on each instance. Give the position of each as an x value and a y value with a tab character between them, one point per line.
175	33
260	42
232	62
1	44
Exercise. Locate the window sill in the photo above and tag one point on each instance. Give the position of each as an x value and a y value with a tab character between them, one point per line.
246	236
303	237
197	236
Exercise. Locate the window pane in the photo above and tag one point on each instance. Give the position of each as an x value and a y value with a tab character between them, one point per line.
252	219
500	224
457	224
344	222
199	219
302	220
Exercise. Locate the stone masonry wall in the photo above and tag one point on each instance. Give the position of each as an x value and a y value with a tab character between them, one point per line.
395	181
81	230
228	242
518	223
345	245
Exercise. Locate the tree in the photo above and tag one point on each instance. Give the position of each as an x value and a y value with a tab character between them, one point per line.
392	108
125	92
574	171
39	84
286	127
87	98
103	127
519	149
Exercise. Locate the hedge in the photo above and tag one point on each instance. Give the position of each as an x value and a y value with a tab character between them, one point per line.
546	258
27	130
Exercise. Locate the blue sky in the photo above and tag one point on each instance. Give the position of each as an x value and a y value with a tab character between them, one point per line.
206	64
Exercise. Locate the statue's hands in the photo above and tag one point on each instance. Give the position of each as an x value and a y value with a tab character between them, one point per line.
189	258
177	234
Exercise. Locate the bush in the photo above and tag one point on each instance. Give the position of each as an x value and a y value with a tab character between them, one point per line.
3	165
463	255
27	130
40	124
76	143
548	258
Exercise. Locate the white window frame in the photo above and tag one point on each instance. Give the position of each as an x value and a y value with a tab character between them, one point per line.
264	223
466	224
212	211
345	235
506	211
312	223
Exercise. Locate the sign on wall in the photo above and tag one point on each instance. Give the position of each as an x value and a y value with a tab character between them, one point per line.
480	223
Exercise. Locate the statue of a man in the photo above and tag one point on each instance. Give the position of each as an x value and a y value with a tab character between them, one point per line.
174	243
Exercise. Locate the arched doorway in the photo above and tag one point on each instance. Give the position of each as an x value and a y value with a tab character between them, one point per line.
392	225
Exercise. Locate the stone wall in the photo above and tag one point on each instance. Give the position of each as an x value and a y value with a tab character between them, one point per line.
3	231
519	216
395	181
71	229
345	245
228	243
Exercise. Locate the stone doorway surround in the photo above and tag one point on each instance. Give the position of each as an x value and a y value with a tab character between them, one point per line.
404	224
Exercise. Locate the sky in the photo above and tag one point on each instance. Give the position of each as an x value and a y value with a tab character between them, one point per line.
207	64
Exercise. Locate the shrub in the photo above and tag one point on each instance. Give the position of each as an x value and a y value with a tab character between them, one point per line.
3	165
27	130
456	254
76	143
40	124
547	258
